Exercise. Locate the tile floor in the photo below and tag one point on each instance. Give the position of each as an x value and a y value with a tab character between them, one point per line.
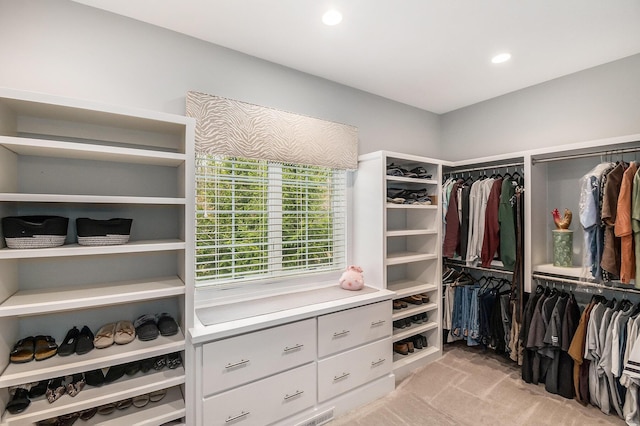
470	387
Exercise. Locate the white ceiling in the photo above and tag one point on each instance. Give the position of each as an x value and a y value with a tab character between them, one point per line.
432	54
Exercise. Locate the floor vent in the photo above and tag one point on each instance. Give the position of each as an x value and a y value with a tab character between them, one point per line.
318	419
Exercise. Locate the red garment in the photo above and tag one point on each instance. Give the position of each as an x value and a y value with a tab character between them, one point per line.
452	228
491	242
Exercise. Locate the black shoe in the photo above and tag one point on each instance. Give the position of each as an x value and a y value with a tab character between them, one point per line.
39	389
68	345
114	373
174	360
84	342
19	402
132	368
94	377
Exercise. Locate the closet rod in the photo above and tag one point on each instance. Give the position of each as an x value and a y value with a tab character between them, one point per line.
474	169
477	268
584	283
586	155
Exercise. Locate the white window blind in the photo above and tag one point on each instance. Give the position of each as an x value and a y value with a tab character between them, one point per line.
258	219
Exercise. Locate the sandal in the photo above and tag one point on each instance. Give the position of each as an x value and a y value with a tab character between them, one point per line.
106	409
160	362
167	325
141	400
23	351
88	414
68	419
156	396
124	404
19	402
45	347
146	328
174	360
125	332
105	336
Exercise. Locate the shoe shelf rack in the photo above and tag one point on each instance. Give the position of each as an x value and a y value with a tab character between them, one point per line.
397	241
75	158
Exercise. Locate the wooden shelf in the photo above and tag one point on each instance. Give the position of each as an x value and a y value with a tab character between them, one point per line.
89	199
17	374
57	299
81	151
126	387
78	250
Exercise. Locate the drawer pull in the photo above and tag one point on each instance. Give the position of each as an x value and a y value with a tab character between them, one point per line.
378	362
342	333
344	376
373	324
239	416
236	364
293	348
287	397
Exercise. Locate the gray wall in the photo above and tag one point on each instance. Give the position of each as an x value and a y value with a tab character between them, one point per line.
67	49
597	103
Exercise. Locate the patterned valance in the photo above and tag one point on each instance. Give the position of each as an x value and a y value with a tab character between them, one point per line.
238	129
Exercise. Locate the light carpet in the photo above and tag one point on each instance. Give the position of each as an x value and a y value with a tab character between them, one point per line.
469	386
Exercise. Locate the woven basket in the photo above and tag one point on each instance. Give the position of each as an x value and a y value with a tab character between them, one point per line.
27	232
94	232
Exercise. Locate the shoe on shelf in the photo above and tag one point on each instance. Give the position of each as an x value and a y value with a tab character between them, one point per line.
410	346
141	400
399	323
88	414
401	348
105	336
38	389
424	340
75	384
45	347
174	360
68	345
414	300
85	341
19	401
68	419
124	404
125	332
146	327
114	373
417	341
55	389
167	325
94	377
23	350
425	297
132	368
156	396
397	304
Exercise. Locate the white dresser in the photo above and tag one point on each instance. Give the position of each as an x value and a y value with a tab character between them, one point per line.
298	367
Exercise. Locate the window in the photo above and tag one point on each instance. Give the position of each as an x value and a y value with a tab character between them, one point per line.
258	220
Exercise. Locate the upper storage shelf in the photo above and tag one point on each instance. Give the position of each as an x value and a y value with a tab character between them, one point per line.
33	114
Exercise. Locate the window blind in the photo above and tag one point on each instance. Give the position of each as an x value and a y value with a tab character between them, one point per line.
258	219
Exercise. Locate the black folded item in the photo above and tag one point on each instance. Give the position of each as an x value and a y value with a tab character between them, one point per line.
94	232
24	232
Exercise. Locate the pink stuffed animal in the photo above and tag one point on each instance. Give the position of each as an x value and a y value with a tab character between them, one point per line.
352	278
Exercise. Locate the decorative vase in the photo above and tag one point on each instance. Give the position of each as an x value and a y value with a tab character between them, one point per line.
562	247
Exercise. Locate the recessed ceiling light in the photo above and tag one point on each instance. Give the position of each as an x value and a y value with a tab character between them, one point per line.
502	57
332	17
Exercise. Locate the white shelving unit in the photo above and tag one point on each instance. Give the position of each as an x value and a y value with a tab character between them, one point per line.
398	246
555	183
74	158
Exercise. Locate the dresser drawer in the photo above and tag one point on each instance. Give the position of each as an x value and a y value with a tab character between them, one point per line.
343	372
238	360
353	327
265	401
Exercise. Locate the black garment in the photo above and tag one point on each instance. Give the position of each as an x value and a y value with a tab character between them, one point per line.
552	339
528	354
565	368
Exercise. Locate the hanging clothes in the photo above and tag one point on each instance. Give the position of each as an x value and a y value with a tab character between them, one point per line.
622	228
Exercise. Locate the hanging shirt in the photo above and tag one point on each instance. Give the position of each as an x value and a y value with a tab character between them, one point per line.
611	253
622	227
475	204
635	222
491	241
506	220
